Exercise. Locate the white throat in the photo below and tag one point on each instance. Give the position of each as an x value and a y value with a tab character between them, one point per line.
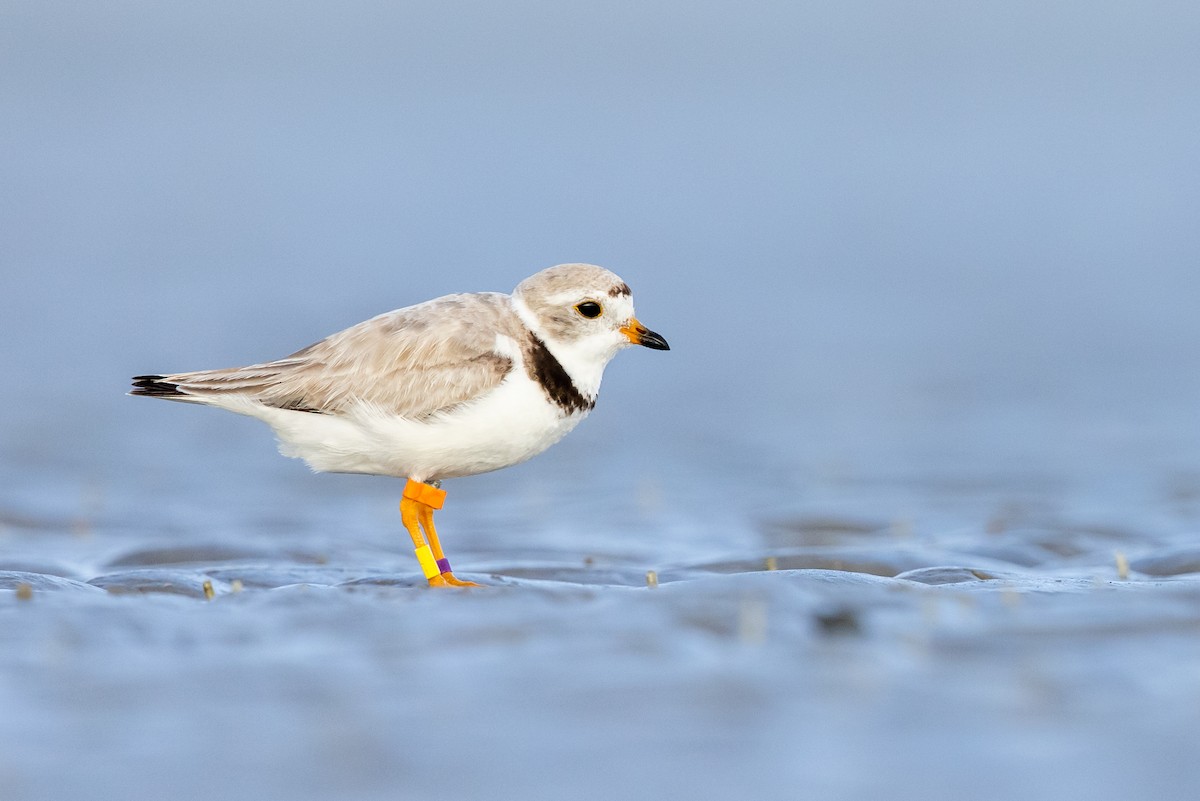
584	359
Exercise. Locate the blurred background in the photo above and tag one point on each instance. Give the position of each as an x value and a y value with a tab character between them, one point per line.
929	266
930	235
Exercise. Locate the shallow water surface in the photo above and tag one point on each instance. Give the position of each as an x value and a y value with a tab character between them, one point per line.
816	654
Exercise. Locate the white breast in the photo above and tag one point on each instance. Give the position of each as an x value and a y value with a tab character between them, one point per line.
512	423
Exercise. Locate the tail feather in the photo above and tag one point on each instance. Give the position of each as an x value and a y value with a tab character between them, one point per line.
252	384
155	386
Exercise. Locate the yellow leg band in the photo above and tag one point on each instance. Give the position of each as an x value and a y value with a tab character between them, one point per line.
428	563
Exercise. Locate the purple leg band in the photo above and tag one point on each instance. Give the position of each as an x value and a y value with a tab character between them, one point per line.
443	565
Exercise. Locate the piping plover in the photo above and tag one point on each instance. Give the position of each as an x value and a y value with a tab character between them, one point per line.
451	387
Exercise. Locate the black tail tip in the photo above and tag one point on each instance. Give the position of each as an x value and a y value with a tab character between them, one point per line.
154	386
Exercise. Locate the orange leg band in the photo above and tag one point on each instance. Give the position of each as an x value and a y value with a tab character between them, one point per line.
425	494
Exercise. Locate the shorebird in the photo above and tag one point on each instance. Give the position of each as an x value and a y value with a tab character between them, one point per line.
456	386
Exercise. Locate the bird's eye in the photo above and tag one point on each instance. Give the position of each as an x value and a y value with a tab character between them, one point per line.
590	309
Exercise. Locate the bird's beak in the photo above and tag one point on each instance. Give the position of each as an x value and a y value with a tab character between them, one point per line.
641	335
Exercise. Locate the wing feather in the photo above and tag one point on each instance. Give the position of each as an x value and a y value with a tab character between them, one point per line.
414	362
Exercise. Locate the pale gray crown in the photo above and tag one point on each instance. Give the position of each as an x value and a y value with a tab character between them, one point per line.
553	294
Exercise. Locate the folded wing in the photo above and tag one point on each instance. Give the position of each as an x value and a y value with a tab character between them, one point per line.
414	362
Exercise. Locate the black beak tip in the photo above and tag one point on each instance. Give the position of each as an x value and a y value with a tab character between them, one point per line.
653	341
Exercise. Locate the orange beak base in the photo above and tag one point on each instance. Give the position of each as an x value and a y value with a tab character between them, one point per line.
641	335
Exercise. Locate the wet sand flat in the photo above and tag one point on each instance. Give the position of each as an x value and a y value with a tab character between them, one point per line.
992	664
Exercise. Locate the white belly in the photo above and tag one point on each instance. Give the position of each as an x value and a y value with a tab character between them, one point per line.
509	425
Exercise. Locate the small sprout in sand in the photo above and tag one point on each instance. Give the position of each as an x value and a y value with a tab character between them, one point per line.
772	563
24	591
208	589
235	585
651	578
752	621
1122	566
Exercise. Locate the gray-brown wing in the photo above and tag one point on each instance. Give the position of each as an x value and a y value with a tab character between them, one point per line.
413	362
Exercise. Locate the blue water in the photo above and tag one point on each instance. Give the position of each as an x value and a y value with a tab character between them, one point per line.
929	277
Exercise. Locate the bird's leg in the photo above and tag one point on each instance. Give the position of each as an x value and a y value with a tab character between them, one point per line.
425	515
409	516
416	512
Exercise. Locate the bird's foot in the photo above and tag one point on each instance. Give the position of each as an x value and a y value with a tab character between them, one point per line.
450	580
455	581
